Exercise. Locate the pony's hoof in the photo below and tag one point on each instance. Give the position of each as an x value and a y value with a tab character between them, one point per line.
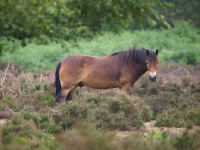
58	103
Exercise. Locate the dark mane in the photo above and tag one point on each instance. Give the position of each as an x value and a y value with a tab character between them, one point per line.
137	55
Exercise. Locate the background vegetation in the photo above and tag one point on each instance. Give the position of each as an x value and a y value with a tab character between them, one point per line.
67	19
36	34
173	44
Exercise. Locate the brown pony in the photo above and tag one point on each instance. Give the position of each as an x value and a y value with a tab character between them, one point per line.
118	70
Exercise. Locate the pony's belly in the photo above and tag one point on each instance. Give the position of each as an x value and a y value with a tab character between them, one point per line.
100	84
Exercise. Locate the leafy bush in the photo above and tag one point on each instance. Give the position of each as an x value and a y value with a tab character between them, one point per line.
20	134
70	19
170	118
180	57
146	114
8	101
187	141
47	100
173	44
193	117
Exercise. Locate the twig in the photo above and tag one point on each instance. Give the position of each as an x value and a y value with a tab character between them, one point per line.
53	111
25	81
5	74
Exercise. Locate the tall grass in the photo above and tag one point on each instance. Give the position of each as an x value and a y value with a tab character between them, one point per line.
180	44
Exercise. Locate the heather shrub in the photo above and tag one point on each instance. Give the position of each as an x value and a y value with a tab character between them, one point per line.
8	101
105	112
187	141
23	134
185	81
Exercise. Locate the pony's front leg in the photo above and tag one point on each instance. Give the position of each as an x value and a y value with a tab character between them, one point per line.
126	88
63	94
71	94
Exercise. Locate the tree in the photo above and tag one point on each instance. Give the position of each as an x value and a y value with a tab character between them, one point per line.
70	19
187	10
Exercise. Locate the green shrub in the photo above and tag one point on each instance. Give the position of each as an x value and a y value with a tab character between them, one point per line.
193	117
8	101
27	115
115	106
170	119
22	134
50	128
95	99
184	142
6	136
146	114
190	59
178	117
47	100
170	44
17	120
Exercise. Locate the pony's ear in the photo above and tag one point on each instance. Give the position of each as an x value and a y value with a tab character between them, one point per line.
156	52
147	51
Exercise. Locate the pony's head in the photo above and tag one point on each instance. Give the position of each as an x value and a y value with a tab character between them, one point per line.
152	64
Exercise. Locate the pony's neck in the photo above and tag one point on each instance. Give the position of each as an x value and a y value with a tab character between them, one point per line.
140	69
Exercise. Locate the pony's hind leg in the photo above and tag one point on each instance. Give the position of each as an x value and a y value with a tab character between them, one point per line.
71	94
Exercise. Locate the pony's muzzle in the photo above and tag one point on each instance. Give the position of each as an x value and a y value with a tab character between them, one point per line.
152	78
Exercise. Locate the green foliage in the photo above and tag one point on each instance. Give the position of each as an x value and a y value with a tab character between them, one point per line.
182	10
22	134
170	118
155	136
180	57
180	44
146	114
193	117
184	142
47	100
177	118
70	19
17	120
40	56
9	102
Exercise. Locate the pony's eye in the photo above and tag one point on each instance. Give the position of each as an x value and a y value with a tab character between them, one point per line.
157	62
147	62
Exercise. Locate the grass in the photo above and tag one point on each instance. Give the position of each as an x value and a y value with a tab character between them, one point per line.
173	44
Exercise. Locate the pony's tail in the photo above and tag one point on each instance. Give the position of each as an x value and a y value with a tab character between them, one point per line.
57	79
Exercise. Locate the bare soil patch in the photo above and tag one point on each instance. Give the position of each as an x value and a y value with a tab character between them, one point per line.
149	127
2	121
